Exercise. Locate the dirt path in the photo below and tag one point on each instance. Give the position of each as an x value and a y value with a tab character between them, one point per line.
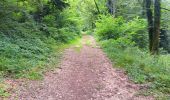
85	74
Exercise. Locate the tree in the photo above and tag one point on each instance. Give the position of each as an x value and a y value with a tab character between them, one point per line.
150	22
156	35
111	4
153	25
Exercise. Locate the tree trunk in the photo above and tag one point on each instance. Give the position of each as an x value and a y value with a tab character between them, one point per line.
153	26
156	35
111	4
143	8
150	22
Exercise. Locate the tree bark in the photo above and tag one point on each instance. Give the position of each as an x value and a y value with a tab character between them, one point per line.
153	25
156	35
150	22
111	4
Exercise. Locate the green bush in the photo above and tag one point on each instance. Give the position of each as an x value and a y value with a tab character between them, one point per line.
22	52
140	65
122	41
137	29
30	33
108	27
28	45
49	20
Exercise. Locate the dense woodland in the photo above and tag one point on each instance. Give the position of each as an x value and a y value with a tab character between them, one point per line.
134	33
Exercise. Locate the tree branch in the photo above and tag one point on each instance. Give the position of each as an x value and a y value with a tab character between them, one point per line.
165	9
97	6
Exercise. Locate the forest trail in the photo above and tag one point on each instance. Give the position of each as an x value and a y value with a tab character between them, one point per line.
85	74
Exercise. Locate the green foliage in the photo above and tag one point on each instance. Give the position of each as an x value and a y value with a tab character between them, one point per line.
89	32
22	51
66	34
140	65
30	32
3	90
129	9
49	20
122	40
88	11
108	27
137	28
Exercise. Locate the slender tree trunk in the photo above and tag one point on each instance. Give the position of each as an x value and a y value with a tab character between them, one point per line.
97	7
156	35
150	22
111	4
143	8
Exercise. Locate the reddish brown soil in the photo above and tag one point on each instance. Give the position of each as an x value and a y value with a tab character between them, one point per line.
85	74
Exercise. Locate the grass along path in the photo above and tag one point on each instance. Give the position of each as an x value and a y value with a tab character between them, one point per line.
85	73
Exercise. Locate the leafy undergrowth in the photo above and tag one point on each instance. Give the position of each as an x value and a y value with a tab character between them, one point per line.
141	66
50	62
21	56
27	52
125	42
31	44
4	90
